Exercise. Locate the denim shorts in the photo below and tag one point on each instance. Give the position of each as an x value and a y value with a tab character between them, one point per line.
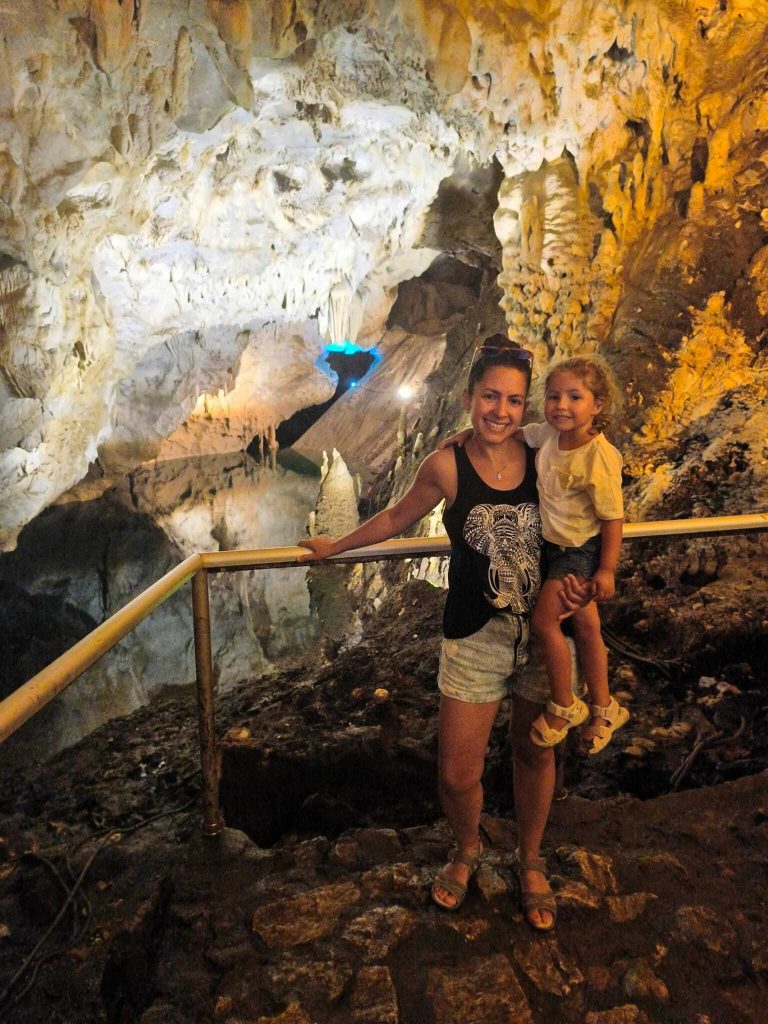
494	661
583	561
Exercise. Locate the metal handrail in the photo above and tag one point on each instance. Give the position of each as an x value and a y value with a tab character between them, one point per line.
30	698
38	691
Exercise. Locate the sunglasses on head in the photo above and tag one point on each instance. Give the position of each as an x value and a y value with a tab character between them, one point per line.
487	351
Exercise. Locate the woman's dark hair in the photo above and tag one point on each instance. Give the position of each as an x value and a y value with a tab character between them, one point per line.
498	350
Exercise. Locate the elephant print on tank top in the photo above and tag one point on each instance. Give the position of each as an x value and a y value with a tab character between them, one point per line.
510	537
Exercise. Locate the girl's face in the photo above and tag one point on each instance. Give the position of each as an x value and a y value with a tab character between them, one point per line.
497	403
569	406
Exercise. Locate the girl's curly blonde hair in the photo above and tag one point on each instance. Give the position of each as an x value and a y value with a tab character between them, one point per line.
598	377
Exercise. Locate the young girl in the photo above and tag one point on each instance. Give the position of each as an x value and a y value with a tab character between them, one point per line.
579	484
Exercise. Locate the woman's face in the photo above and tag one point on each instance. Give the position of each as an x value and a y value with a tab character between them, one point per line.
497	403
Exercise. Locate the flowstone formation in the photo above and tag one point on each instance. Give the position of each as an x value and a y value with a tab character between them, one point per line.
188	188
197	197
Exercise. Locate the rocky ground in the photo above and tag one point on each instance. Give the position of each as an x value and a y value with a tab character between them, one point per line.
313	905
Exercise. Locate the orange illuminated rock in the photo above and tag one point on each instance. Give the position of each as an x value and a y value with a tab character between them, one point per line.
234	21
114	24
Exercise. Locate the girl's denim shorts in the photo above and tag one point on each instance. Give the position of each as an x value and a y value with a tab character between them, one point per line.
584	561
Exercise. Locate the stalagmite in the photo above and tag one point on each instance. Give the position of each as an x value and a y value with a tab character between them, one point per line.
336	508
335	514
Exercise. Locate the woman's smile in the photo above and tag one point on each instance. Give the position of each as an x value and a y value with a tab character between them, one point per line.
497	425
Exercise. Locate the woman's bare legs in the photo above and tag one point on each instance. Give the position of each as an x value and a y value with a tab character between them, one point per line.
463	732
534	784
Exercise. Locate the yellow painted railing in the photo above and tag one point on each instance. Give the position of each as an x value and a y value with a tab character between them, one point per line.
25	702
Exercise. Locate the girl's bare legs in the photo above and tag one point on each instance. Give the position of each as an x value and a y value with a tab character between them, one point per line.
554	647
463	733
534	784
593	658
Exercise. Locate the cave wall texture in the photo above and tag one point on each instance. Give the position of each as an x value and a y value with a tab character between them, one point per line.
197	195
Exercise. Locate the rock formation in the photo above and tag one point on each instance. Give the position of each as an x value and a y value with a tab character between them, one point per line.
88	557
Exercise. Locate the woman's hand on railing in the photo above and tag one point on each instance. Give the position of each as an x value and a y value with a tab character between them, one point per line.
319	548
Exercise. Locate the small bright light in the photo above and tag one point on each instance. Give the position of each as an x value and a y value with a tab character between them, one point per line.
353	383
404	392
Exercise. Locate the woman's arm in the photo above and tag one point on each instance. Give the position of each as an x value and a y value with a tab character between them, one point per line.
431	485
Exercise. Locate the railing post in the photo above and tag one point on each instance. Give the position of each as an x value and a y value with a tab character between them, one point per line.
201	617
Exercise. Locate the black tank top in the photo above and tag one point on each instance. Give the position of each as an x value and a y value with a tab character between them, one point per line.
495	549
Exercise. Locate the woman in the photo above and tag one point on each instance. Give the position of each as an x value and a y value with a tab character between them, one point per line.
491	517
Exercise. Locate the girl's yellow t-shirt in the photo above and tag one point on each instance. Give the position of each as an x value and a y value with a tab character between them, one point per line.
577	489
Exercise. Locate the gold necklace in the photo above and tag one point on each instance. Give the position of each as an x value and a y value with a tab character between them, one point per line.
498	472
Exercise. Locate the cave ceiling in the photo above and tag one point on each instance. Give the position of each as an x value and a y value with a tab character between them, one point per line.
196	197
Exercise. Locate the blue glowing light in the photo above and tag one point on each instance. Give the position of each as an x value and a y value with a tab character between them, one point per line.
347	348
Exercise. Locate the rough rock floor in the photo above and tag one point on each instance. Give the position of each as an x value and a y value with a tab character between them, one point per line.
662	919
321	912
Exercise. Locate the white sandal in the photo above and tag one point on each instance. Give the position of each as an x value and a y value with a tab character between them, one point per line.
544	736
615	715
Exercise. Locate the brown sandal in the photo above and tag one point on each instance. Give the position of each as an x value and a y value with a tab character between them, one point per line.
530	901
451	885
